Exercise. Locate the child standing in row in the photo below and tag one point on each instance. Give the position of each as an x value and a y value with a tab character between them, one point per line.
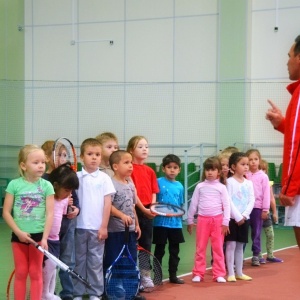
122	211
94	193
144	179
28	211
211	202
268	224
109	144
64	180
169	229
262	202
242	201
48	149
224	156
67	229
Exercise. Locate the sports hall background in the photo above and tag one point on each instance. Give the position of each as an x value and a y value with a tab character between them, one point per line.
190	75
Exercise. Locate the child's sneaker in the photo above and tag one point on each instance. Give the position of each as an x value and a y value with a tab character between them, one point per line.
146	282
221	279
274	259
196	279
262	260
255	261
231	278
244	277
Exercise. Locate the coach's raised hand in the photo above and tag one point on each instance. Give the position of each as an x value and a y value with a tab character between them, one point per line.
274	114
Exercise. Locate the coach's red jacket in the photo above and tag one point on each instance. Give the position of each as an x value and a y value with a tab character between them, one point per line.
290	127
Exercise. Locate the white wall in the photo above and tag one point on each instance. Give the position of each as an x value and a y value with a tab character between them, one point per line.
156	43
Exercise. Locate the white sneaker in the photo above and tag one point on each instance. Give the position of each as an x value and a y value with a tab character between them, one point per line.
221	279
95	298
77	298
196	279
147	282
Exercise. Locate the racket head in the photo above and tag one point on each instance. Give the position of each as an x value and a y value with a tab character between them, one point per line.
122	279
145	260
166	209
64	151
10	293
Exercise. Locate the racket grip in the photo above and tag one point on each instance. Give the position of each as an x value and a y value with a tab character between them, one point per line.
79	277
70	209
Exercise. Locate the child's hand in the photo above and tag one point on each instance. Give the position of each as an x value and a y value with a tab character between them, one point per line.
74	213
127	220
23	236
275	217
138	231
241	222
148	213
70	200
225	230
190	228
264	215
102	234
44	244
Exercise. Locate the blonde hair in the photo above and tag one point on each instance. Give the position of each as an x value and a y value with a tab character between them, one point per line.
23	155
225	153
263	165
88	142
48	147
106	136
133	142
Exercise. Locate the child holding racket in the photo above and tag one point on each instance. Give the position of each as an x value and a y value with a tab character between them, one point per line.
64	181
169	229
242	201
212	204
28	211
94	193
67	229
109	144
122	211
144	179
261	207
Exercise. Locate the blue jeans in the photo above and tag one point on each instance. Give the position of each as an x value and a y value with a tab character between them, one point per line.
67	255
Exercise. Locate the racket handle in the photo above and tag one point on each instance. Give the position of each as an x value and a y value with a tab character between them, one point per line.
80	278
126	235
70	209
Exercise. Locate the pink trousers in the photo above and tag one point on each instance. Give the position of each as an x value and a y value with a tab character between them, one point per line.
209	228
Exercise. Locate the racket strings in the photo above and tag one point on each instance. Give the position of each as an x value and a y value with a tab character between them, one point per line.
149	268
167	209
122	282
64	152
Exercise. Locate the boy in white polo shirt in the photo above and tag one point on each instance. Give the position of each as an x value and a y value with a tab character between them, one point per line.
94	193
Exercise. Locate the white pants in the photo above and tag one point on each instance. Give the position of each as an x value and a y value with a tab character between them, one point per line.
292	214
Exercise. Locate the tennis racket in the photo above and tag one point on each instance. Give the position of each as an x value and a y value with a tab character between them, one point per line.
147	259
64	151
122	279
60	264
166	210
10	294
